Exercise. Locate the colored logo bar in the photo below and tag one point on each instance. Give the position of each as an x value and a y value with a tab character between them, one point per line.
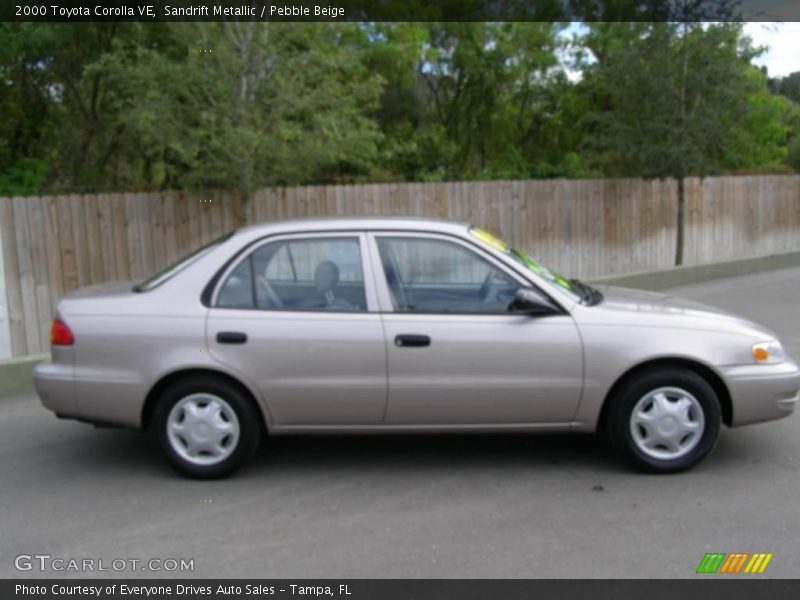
735	562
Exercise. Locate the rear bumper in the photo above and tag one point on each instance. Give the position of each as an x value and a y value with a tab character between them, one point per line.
55	385
762	392
92	400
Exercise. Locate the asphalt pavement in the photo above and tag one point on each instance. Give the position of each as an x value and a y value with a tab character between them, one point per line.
455	506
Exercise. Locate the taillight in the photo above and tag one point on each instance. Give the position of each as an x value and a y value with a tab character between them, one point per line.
61	334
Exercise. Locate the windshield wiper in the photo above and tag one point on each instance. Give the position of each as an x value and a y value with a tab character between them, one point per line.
591	295
582	288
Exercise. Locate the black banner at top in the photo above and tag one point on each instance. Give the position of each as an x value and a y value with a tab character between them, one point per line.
149	11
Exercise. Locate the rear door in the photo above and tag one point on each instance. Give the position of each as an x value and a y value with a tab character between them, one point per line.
298	317
456	355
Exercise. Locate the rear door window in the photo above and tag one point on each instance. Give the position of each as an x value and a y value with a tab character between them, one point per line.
314	274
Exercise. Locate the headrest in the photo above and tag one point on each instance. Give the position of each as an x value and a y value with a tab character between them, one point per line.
326	276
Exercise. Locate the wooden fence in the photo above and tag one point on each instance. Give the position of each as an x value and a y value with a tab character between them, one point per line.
54	244
582	228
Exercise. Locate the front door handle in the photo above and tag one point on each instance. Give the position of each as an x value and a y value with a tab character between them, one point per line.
412	341
231	337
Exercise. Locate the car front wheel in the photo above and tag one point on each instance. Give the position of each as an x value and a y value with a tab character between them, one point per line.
664	420
206	427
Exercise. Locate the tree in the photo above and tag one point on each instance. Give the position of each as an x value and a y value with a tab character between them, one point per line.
473	100
26	106
64	122
788	89
240	105
788	86
233	105
279	104
670	100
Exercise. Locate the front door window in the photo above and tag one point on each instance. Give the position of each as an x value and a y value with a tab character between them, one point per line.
427	275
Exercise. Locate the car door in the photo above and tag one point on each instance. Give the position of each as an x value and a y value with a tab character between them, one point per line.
298	318
456	355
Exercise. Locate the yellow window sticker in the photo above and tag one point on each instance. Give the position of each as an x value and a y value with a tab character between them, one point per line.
489	238
532	264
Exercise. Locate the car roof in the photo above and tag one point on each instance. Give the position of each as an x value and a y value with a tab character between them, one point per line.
361	223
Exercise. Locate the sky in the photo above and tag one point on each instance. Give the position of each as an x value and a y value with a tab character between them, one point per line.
783	56
781	40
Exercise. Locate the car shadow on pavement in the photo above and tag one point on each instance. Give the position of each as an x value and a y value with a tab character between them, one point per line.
117	451
122	450
451	453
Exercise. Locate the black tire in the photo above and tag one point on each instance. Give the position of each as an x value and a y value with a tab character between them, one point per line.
249	425
627	396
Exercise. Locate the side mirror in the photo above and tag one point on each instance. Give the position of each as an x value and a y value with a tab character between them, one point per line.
528	301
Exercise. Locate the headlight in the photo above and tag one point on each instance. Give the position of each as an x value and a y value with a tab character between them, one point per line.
768	352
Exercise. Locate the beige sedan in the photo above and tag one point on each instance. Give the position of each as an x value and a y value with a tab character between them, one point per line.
402	325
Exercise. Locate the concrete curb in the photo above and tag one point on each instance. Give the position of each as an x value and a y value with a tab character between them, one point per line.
659	280
16	374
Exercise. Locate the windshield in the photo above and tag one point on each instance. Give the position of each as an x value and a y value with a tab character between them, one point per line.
171	270
551	277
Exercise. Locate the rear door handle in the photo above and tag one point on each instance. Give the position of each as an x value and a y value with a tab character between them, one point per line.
412	341
231	337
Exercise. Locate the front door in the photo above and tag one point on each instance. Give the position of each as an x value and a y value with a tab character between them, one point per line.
297	319
456	355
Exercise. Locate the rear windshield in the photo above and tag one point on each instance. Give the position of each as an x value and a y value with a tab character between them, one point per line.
174	268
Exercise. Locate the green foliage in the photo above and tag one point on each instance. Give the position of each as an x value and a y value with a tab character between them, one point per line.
760	141
788	86
791	118
25	177
475	100
788	89
675	100
26	104
239	105
678	99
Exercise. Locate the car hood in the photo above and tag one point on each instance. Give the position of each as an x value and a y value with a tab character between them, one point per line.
671	309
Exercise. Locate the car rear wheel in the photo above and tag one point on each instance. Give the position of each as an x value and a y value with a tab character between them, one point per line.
664	420
206	427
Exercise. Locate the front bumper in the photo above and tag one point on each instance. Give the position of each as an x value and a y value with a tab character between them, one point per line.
762	392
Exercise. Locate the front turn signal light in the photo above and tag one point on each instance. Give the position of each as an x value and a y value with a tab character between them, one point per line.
768	352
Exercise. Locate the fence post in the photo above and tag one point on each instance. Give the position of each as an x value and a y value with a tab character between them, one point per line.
5	326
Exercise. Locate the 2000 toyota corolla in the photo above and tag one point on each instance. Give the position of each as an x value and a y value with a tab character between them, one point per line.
402	325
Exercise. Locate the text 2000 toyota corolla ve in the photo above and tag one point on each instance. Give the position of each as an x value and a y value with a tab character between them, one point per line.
402	325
